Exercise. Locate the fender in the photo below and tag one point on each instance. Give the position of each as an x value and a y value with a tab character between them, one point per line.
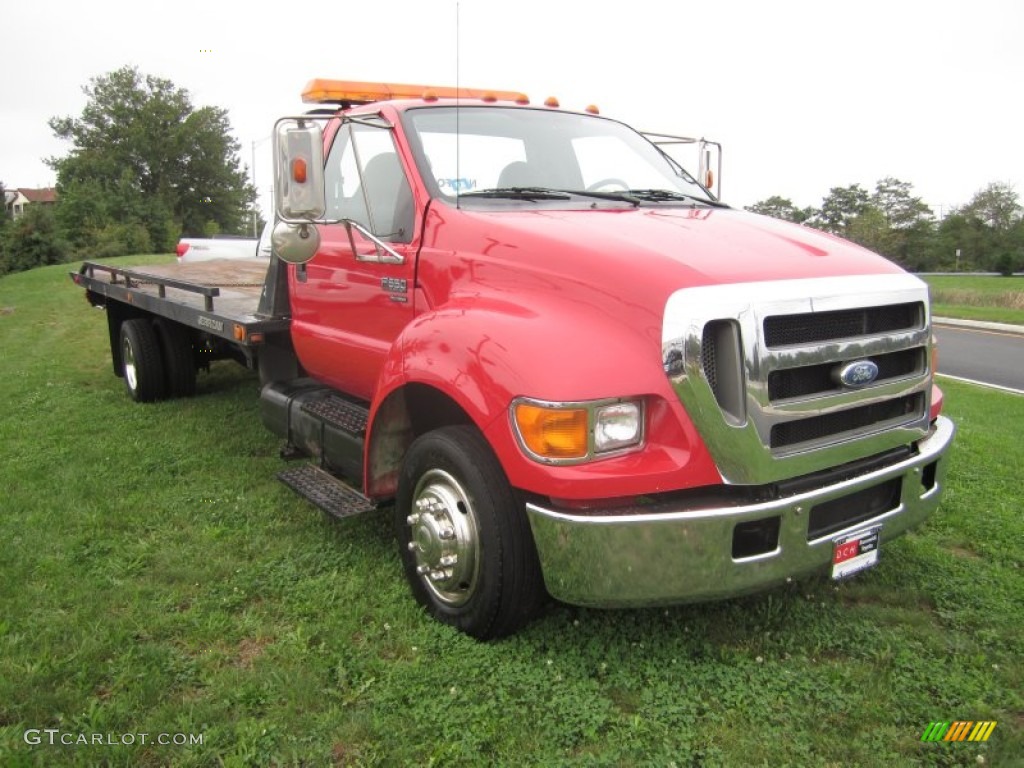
481	351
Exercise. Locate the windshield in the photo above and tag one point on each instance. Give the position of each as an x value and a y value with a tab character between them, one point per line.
465	152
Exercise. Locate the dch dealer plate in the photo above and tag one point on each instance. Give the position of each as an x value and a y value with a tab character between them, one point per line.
855	552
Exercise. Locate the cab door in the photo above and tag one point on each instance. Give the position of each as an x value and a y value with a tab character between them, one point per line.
352	300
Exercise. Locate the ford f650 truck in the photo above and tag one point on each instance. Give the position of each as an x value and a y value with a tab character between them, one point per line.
562	362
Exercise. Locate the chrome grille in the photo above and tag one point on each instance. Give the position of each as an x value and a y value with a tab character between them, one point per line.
783	330
831	425
757	366
822	379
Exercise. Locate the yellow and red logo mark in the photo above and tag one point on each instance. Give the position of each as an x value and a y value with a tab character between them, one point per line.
961	730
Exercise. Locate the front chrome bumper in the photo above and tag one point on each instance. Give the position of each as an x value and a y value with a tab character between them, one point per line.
683	555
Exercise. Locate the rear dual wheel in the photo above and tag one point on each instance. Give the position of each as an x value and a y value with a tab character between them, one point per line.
157	360
178	358
142	362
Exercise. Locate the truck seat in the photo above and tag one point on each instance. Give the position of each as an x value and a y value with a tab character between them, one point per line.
390	198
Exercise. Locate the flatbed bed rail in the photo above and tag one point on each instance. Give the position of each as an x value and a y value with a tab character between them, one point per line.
185	293
209	293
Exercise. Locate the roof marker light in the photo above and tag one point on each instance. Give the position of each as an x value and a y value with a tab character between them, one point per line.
592	109
551	101
321	90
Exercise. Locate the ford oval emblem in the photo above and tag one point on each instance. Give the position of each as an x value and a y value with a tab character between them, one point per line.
859	373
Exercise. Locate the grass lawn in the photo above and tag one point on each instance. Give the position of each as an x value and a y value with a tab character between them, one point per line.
157	579
974	297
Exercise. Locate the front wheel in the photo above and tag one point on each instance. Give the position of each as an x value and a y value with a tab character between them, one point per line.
464	539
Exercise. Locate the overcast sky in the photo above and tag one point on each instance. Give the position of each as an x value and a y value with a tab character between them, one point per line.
804	96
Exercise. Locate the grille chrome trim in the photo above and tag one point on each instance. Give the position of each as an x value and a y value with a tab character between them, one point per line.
742	447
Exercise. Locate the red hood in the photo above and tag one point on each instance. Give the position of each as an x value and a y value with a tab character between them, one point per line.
637	257
705	245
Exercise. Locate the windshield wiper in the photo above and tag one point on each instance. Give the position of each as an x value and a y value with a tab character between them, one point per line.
519	193
665	195
620	197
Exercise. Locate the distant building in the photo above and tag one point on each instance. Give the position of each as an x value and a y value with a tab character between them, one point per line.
17	200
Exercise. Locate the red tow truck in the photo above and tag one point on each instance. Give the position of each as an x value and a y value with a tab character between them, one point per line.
562	363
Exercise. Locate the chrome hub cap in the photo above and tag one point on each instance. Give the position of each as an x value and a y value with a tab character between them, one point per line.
130	374
444	538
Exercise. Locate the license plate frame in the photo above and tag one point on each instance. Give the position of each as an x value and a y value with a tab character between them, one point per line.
855	552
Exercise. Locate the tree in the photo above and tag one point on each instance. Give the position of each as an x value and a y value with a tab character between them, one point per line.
995	214
144	156
996	205
781	208
3	230
908	222
901	209
870	229
840	207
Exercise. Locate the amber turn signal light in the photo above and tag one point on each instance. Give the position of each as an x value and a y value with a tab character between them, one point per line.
553	433
299	170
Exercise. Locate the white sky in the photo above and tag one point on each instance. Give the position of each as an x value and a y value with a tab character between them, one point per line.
804	95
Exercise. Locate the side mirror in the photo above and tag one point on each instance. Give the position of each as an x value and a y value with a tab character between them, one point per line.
299	170
295	243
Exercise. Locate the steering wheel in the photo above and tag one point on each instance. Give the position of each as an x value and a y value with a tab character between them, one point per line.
610	181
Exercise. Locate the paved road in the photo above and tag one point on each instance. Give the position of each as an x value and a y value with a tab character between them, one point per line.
992	357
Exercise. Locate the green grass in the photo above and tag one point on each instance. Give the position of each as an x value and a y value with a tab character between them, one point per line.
157	579
973	297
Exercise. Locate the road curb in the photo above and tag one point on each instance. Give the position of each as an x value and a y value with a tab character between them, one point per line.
979	325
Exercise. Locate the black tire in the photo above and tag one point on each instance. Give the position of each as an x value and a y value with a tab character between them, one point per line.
454	501
178	359
142	362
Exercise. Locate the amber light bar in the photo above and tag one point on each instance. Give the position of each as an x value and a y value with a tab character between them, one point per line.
322	91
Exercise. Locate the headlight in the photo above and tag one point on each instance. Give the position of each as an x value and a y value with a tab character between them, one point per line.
617	426
569	433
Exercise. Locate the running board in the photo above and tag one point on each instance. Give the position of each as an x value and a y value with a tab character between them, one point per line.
326	491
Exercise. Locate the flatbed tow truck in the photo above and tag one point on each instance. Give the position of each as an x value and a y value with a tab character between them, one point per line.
565	366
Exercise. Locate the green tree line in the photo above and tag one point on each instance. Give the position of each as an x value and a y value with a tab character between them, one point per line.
986	234
145	167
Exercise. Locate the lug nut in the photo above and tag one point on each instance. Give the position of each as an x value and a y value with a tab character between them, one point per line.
412	546
449	560
423	569
448	534
412	519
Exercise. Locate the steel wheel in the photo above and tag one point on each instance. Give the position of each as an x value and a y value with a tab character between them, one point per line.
463	536
445	539
141	362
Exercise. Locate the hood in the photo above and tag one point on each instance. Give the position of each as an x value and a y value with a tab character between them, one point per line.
697	245
638	256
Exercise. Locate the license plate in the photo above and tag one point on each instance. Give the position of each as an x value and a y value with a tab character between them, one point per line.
855	552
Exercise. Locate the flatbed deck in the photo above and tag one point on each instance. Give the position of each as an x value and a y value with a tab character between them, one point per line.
221	297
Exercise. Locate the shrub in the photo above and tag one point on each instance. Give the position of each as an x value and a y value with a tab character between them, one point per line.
31	241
